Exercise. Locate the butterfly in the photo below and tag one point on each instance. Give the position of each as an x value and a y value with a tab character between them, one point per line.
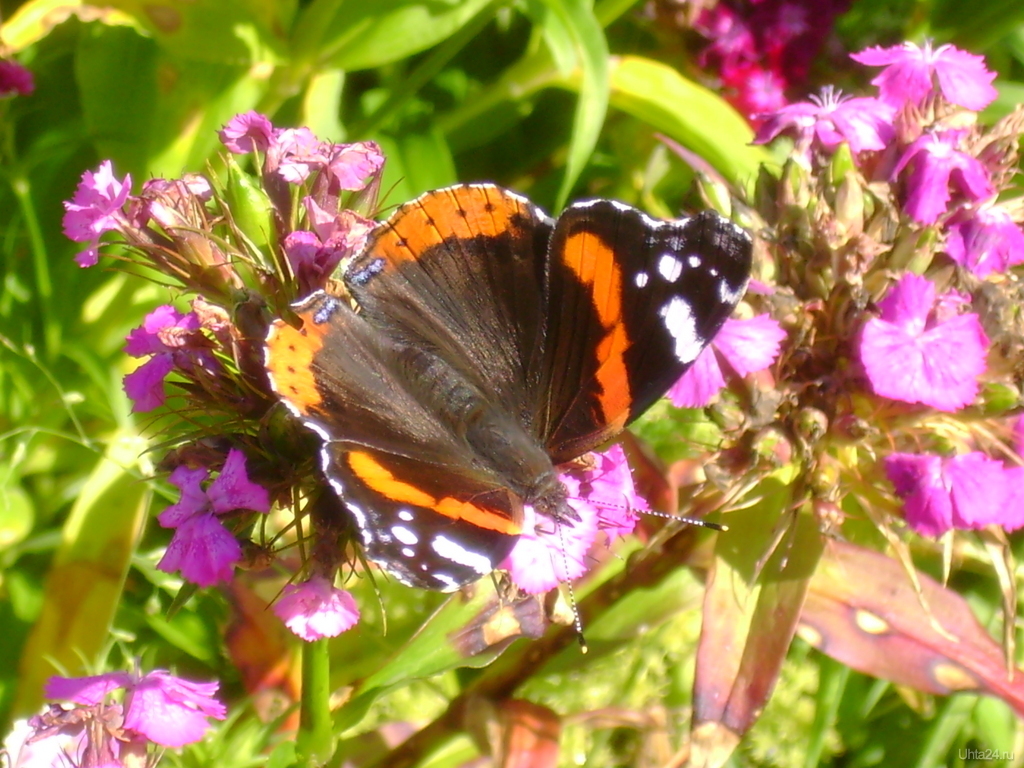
483	344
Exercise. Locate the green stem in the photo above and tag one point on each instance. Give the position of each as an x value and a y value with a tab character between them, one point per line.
41	265
315	740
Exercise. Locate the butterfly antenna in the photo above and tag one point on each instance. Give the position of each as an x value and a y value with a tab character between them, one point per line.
681	519
576	621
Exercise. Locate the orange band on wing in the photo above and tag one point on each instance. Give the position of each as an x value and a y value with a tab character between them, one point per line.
290	353
460	212
384	482
596	267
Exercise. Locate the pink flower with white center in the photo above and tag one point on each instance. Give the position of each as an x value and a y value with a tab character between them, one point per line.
165	709
936	163
603	497
831	118
986	241
15	80
606	491
316	609
202	548
167	335
550	552
96	207
746	346
915	353
968	491
247	132
910	72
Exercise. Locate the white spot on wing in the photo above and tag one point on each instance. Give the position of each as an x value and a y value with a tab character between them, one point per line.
680	322
669	267
408	551
456	553
641	279
693	260
404	535
405	514
450	584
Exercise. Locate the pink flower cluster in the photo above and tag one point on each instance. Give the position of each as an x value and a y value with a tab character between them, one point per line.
924	346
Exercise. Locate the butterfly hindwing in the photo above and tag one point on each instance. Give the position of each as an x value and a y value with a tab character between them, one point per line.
429	529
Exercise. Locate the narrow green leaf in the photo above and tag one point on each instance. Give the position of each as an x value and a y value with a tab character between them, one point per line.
577	18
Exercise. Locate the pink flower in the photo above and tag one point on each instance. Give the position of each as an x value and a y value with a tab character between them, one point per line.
96	208
15	79
165	709
914	354
352	165
747	346
295	154
909	73
606	492
967	491
986	241
168	336
832	118
936	163
313	256
202	549
247	132
316	609
550	552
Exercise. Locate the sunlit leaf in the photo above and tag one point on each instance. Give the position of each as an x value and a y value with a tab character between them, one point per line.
863	610
84	584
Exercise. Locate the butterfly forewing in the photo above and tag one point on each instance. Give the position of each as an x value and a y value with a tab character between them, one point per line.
647	296
458	272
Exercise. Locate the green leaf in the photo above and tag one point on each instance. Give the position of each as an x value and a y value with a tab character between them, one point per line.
234	32
697	118
577	20
84	584
355	34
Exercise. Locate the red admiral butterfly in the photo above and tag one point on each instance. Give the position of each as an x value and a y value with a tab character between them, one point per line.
490	343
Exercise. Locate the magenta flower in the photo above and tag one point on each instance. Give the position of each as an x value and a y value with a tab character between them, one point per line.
295	154
832	118
313	256
936	163
316	609
352	165
605	491
169	336
202	548
96	208
746	346
910	72
968	492
913	353
162	708
987	241
548	553
247	132
15	79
